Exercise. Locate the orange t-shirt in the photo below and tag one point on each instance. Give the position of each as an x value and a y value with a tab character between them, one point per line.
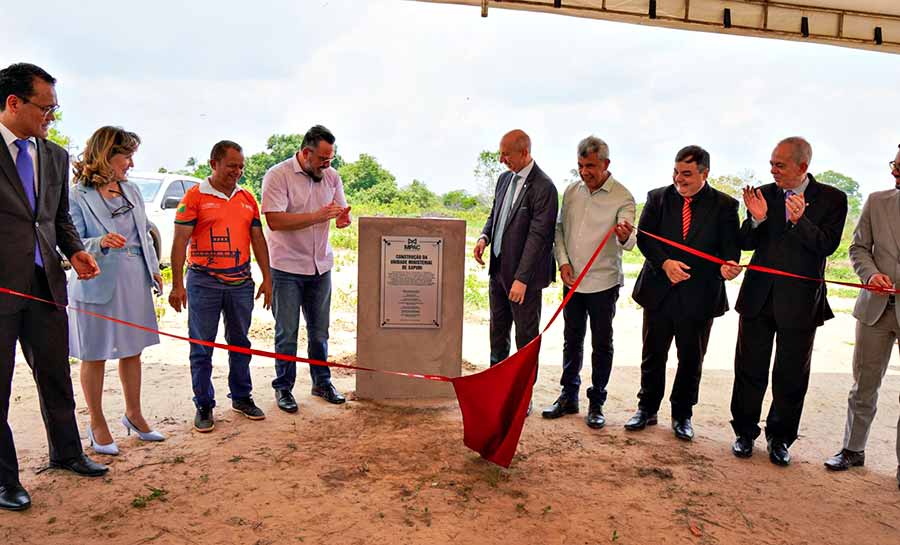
220	242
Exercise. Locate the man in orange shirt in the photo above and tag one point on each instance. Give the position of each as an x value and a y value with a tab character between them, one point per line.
221	222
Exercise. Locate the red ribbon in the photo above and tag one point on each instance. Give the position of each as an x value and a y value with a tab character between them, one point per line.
768	270
239	349
493	402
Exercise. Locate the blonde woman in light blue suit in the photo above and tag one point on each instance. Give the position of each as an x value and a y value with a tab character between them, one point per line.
108	213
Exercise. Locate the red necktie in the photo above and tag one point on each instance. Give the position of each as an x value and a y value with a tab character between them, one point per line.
686	217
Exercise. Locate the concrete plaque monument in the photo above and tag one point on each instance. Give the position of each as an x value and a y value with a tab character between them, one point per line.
410	305
411	281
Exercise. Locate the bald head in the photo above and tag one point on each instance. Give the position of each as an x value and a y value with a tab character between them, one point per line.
515	150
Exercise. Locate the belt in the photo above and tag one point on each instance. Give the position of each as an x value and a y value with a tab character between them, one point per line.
130	251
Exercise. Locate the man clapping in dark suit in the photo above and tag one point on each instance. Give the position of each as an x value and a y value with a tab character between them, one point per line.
34	221
520	230
793	225
682	293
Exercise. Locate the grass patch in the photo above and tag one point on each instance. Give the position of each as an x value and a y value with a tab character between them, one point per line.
141	501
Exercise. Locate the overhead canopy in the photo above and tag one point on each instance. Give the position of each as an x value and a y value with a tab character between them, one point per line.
865	24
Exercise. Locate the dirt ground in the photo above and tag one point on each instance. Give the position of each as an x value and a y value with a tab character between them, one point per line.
398	473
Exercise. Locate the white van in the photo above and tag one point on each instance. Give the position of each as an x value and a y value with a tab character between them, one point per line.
162	192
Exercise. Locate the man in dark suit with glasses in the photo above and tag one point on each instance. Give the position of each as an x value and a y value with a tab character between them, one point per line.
34	221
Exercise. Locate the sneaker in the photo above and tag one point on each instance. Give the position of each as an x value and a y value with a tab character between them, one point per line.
247	408
203	421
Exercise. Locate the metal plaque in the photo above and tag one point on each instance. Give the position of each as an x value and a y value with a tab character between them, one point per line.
411	282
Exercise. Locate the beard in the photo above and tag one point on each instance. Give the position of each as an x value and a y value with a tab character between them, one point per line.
315	178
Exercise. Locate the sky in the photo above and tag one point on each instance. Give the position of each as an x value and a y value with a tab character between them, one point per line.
425	87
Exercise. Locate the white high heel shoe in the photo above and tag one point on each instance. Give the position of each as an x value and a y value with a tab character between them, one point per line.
111	449
151	435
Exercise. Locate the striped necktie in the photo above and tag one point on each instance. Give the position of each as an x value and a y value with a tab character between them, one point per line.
686	217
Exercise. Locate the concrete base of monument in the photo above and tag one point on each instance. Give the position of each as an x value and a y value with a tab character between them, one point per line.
410	305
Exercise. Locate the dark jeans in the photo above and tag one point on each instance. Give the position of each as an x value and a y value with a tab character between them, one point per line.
691	339
504	313
205	304
291	294
42	331
600	307
790	375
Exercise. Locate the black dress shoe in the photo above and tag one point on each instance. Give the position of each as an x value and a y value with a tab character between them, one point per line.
560	407
742	447
640	420
845	459
286	401
329	393
595	418
683	428
81	465
778	452
13	497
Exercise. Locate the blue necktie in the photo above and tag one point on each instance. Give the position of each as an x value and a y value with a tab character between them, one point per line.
504	214
25	168
787	195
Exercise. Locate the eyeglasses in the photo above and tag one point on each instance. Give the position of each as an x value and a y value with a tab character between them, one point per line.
125	208
47	111
894	165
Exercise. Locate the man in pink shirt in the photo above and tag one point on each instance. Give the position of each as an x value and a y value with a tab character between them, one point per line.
300	197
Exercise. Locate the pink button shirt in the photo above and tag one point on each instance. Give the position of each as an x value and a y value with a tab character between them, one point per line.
286	188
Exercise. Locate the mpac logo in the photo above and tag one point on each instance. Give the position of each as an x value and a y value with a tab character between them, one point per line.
412	244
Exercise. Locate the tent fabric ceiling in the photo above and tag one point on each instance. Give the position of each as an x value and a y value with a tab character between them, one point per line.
864	24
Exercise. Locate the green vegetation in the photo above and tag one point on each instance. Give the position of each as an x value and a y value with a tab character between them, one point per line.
141	501
372	190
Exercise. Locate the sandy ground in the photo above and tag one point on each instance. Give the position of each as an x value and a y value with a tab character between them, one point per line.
398	473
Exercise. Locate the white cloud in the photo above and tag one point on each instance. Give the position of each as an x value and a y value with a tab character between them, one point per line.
425	88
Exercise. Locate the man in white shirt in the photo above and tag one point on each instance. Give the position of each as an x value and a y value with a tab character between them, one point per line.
590	208
300	197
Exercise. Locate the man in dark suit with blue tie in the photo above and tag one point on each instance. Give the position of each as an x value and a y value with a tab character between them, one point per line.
792	225
34	221
520	230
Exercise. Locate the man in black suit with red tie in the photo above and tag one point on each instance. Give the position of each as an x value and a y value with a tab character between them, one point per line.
34	221
682	293
793	225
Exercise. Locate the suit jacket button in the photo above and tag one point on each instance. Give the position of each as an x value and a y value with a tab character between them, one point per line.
36	224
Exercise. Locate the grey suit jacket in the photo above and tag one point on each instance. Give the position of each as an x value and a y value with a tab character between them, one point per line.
876	249
19	225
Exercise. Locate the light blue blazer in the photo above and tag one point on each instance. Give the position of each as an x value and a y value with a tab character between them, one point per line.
91	219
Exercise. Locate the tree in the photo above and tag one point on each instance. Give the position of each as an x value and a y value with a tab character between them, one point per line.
846	184
487	168
459	200
418	194
192	168
365	173
384	192
56	136
728	184
278	148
